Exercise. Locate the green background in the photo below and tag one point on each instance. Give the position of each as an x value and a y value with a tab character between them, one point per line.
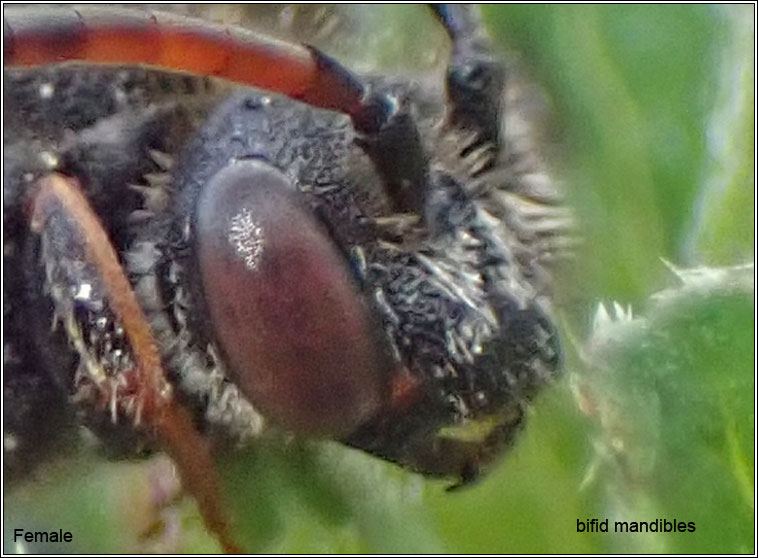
649	126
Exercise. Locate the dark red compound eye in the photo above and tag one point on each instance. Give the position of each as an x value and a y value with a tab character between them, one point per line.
292	325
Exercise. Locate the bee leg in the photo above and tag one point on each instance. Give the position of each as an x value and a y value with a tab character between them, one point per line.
390	135
475	78
119	371
394	145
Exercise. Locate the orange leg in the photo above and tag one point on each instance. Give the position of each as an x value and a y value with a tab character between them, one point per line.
100	35
152	405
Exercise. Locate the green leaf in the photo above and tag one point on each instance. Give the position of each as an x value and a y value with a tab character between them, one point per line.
672	395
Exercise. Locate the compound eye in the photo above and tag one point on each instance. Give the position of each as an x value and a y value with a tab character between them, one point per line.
295	333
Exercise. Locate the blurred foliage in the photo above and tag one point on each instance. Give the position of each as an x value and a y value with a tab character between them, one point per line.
638	94
651	133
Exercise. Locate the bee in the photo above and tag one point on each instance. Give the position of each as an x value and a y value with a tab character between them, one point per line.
209	234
